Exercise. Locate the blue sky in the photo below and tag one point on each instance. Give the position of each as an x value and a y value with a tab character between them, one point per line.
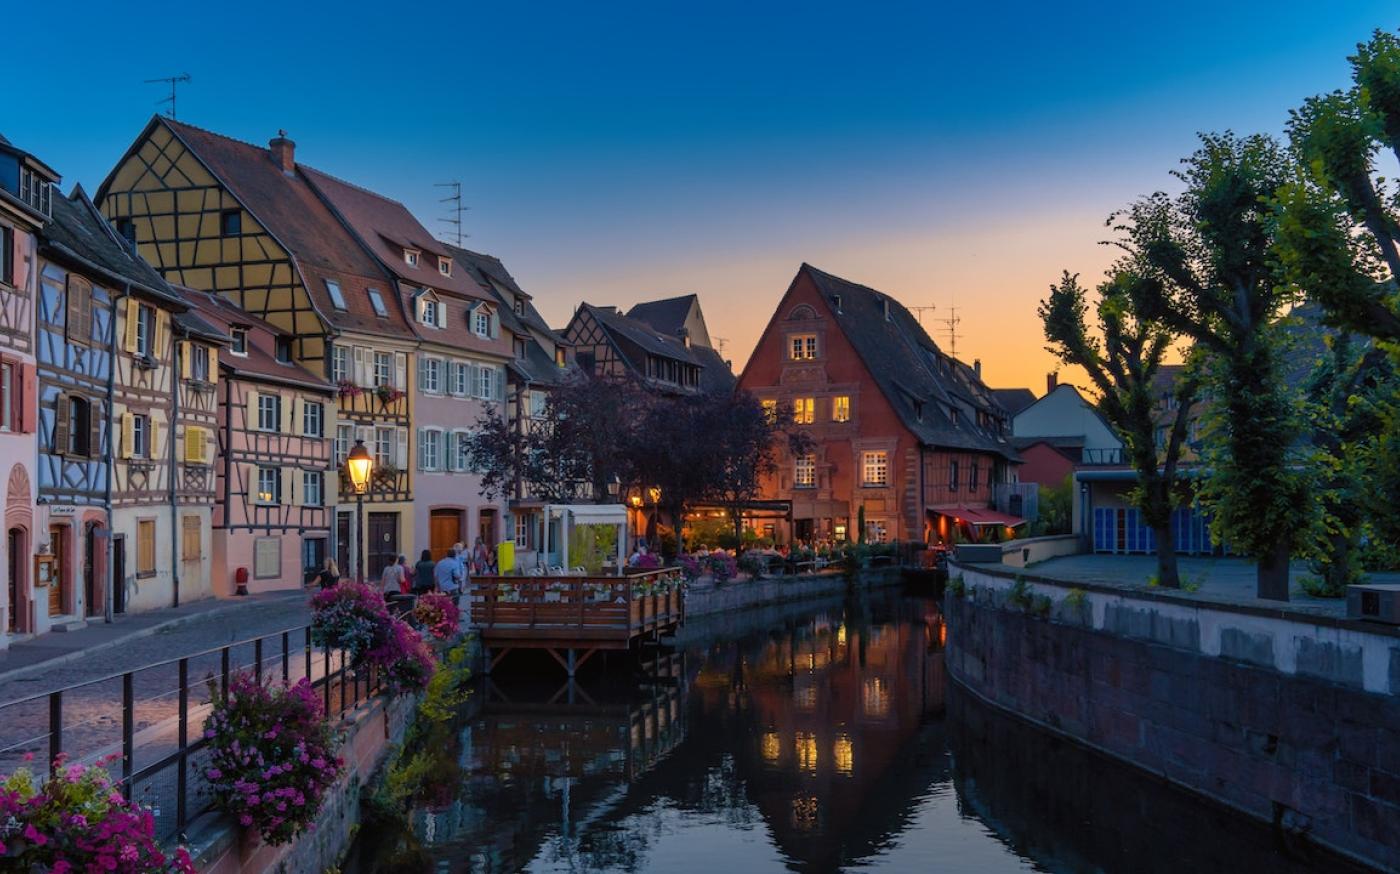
615	152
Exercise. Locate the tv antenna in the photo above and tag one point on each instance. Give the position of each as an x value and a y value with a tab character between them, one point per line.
456	209
950	324
172	81
919	311
719	344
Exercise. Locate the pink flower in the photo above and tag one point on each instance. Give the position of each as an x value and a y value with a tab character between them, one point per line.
61	867
29	757
214	773
32	835
245	820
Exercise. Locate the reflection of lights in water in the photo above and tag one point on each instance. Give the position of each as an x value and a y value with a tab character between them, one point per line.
844	753
841	635
875	697
806	745
771	746
805	697
811	661
942	634
804	812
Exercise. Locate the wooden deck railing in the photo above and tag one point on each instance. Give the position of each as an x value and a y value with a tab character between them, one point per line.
583	606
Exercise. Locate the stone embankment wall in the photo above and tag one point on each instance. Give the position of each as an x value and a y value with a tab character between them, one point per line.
745	594
1291	718
220	847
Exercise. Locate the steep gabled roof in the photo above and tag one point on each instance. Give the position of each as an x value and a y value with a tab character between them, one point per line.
491	274
80	235
261	361
921	383
639	334
667	316
1013	400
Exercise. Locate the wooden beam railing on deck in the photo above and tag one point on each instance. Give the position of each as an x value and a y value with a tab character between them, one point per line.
563	606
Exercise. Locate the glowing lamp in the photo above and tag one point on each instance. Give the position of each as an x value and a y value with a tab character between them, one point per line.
359	464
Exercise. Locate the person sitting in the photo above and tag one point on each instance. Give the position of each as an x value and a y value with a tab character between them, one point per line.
423	573
329	575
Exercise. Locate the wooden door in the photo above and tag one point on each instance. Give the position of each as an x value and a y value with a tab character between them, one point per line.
486	527
58	545
119	574
444	529
90	571
16	545
383	543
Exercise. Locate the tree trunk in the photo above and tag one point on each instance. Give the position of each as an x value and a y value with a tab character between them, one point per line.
1168	577
1272	574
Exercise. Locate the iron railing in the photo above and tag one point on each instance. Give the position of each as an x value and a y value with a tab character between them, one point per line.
156	761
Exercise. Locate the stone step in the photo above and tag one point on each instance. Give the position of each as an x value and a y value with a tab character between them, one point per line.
68	625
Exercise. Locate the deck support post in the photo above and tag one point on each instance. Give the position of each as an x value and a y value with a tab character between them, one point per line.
571	667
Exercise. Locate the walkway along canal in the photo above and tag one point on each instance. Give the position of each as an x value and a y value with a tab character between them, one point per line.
815	737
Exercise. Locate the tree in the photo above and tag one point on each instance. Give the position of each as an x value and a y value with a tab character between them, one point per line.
1123	367
745	441
674	453
1212	275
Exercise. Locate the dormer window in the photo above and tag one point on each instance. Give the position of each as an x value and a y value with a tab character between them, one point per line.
519	348
410	257
431	311
284	350
481	321
337	299
520	306
34	190
376	300
240	341
126	229
445	266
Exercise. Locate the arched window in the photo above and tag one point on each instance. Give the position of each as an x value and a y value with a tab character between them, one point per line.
800	312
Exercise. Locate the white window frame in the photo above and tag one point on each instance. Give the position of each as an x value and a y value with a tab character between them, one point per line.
239	346
430	449
804	471
430	375
410	257
383	369
875	468
445	266
376	303
384	451
481	322
340	364
270	404
460	383
485	382
313	488
337	296
274	494
344	440
313	419
458	458
140	436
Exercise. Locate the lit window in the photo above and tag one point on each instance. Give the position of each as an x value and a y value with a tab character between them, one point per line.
269	485
841	408
376	300
337	299
240	341
802	347
805	472
231	223
875	468
445	266
770	411
804	411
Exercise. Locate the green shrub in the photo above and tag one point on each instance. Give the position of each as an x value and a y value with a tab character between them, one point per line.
956	586
1320	587
1076	598
1019	594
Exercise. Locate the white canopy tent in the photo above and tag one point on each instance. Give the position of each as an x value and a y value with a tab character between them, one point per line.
563	520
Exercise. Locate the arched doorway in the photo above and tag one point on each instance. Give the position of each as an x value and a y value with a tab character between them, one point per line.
14	578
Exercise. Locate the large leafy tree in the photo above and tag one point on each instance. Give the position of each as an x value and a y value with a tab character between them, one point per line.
1211	274
1123	362
744	443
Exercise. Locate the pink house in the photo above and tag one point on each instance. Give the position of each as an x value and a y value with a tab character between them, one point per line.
273	463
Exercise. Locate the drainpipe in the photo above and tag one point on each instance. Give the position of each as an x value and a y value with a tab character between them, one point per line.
174	469
109	584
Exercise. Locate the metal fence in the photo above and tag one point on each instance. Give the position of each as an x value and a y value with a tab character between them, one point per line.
150	719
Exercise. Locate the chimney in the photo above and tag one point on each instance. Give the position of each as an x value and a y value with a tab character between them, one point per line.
684	333
977	367
1051	380
283	152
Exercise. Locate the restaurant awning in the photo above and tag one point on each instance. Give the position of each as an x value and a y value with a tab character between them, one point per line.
980	516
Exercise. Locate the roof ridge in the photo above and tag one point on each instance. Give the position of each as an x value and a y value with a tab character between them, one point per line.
213	133
360	188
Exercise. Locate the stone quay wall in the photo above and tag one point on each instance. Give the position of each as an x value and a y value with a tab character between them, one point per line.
747	594
1290	718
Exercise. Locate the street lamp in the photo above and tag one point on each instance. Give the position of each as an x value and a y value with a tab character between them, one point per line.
359	464
614	485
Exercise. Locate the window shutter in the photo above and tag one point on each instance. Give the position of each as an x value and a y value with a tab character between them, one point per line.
184	348
60	425
359	367
298	407
298	486
162	334
27	399
252	423
422	372
153	445
442	314
128	434
95	431
213	364
286	410
400	370
133	315
422	448
401	456
474	377
495	326
500	384
74	326
288	486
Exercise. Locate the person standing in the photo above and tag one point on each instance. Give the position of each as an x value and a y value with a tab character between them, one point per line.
423	573
448	573
329	575
391	580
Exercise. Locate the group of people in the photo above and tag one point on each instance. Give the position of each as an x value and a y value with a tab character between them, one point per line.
448	575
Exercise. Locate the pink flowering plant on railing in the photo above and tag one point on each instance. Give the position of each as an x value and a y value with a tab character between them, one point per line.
660	584
722	566
273	757
437	615
77	820
649	561
693	566
404	659
349	616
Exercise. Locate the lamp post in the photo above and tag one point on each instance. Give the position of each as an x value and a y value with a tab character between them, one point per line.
359	464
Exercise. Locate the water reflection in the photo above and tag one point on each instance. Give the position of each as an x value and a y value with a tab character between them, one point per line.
790	740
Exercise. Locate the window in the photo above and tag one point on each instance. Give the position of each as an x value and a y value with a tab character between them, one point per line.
34	190
7	254
340	364
313	487
344	440
199	362
313	553
140	436
429	312
78	325
410	257
876	531
519	349
383	369
973	473
520	306
523	523
269	412
7	388
313	419
457	450
841	408
383	447
430	375
429	449
802	347
376	300
191	539
953	475
875	468
240	341
230	223
445	266
72	425
267	558
481	322
146	547
461	378
284	349
804	410
770	411
126	229
269	486
145	330
805	471
337	299
486	383
537	402
559	359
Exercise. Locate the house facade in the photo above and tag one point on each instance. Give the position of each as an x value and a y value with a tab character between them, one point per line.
244	222
461	360
26	201
609	344
904	435
271	446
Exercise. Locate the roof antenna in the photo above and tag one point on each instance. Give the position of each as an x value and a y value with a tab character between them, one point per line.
456	209
173	81
720	344
950	324
921	310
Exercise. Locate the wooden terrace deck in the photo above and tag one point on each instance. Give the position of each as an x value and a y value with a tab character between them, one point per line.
571	617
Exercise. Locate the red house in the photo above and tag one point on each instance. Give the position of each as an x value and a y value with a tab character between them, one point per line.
901	429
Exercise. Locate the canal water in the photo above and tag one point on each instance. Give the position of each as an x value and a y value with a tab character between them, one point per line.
814	739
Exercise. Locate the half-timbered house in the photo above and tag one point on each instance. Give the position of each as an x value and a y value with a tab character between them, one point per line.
904	435
243	222
461	361
271	449
193	461
26	196
607	343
